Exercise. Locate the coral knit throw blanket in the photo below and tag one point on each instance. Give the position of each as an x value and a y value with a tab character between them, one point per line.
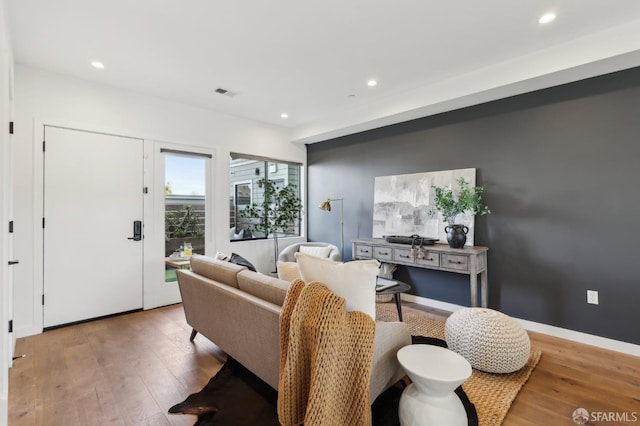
325	359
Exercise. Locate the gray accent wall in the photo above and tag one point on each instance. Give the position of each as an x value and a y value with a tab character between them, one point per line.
561	171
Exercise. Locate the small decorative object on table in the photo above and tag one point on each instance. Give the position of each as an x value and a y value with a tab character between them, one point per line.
178	256
411	239
386	271
384	283
467	200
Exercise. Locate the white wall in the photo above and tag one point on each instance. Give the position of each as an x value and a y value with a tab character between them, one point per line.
43	96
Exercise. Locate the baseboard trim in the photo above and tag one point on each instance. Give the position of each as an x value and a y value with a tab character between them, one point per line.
563	333
26	331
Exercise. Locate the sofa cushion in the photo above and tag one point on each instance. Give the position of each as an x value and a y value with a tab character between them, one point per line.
288	271
239	260
218	270
267	288
355	281
317	251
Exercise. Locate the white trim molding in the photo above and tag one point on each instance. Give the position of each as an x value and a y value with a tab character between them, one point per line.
562	333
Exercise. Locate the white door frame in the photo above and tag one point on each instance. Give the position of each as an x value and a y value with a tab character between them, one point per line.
156	291
7	339
153	220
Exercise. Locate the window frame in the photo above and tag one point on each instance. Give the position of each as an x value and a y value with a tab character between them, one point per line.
268	166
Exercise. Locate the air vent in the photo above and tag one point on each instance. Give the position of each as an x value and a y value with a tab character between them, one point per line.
225	92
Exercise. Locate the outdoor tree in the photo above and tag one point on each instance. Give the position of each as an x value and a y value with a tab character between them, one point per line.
278	212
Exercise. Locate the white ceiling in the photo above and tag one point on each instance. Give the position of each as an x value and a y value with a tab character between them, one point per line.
307	57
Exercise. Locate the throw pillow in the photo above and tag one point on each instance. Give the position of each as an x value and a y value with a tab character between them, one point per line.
239	260
322	252
238	236
355	281
221	256
288	271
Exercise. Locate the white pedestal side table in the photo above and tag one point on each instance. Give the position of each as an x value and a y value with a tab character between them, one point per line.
435	373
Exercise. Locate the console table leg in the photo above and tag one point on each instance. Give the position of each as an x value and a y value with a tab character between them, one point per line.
398	305
484	278
473	283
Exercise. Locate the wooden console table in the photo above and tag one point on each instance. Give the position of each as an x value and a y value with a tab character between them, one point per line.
468	260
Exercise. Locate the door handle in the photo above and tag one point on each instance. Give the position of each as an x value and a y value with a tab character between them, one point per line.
137	231
13	262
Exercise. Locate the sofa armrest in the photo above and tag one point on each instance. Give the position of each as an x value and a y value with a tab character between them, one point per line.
235	321
385	369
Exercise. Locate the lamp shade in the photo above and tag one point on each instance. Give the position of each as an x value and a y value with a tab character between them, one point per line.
326	205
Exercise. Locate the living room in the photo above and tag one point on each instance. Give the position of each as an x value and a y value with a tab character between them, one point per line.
556	153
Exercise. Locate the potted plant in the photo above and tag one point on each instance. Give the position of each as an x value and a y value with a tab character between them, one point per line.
278	212
465	200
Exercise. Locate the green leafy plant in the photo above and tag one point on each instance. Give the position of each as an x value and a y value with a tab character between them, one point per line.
277	214
466	200
182	223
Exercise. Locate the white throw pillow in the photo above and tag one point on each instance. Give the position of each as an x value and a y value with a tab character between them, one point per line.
355	281
288	271
221	256
322	251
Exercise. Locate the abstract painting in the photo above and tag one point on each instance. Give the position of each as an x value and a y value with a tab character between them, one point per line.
401	204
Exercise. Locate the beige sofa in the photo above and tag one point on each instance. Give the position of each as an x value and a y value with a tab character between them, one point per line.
239	311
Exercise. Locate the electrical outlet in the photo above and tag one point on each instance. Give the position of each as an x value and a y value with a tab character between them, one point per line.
592	297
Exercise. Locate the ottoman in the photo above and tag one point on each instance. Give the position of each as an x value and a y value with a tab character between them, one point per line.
490	340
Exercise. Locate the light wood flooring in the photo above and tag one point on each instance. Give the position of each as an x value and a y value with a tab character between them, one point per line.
128	370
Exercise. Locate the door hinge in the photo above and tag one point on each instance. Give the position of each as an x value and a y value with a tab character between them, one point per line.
145	190
11	127
11	227
43	223
43	300
10	326
43	145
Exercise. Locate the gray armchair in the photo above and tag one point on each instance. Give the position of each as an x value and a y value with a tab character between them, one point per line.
289	252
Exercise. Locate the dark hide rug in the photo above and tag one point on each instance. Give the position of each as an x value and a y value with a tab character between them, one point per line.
236	397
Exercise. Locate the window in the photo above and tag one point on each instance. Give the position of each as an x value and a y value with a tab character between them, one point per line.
185	209
250	177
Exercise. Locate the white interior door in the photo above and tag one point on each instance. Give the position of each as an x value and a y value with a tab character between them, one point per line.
93	193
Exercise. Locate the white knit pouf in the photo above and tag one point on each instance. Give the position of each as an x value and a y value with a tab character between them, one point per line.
490	340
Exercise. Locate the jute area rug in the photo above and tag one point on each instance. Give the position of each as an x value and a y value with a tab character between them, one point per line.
492	394
236	397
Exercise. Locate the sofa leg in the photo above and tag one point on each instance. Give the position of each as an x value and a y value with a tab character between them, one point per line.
193	334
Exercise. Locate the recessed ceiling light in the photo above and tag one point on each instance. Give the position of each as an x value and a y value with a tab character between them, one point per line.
546	18
284	115
371	83
97	64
